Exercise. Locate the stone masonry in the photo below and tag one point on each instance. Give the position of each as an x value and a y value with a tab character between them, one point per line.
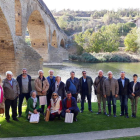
15	17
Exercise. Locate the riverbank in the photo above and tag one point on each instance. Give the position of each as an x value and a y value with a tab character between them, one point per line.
105	57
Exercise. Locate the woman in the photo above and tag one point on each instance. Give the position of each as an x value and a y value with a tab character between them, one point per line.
59	87
55	106
32	105
41	86
1	98
134	90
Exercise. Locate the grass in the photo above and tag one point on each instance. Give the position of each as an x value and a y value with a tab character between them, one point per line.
86	122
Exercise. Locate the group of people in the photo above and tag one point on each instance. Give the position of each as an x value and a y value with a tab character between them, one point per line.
62	98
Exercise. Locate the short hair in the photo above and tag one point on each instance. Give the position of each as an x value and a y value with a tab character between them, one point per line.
40	71
24	69
109	72
51	71
55	93
68	92
100	71
33	92
135	75
9	72
83	71
122	71
72	72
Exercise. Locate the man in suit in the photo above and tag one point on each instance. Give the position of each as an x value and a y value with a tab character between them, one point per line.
123	93
111	90
51	80
70	106
72	85
85	85
98	88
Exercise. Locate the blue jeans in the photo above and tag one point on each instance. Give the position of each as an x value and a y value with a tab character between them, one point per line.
83	100
21	97
124	104
109	98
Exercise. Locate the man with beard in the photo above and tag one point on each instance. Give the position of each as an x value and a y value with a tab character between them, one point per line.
24	81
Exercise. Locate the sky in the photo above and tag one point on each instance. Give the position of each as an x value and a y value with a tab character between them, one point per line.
87	5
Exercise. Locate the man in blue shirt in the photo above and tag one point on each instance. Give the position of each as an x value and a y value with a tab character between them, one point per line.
72	85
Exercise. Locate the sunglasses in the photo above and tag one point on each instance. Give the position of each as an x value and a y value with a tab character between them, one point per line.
54	95
84	73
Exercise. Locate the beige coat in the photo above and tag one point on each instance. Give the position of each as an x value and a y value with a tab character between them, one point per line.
39	88
113	86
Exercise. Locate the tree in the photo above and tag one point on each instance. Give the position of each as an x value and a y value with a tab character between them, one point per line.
131	40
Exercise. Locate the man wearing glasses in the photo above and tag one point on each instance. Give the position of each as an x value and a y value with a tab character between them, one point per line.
110	91
85	85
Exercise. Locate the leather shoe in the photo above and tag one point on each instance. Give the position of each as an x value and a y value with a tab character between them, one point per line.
121	114
109	115
126	116
98	113
75	119
16	119
91	111
19	116
105	113
81	111
8	121
115	115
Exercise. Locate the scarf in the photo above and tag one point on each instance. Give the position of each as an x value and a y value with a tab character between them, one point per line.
34	102
1	94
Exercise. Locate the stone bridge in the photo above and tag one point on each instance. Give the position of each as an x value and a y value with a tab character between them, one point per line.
48	41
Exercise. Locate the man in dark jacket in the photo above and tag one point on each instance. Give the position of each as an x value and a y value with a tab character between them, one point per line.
24	81
85	84
72	85
98	88
70	106
123	93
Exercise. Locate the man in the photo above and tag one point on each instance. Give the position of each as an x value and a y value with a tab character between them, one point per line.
111	90
123	93
72	85
70	106
98	87
11	93
51	80
85	84
24	81
41	86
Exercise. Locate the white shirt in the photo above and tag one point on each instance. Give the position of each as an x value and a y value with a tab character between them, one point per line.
134	87
84	80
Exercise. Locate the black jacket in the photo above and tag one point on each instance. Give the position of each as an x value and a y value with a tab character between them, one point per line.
61	90
137	88
76	83
123	90
19	80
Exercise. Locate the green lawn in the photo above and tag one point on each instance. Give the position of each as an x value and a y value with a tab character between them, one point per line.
86	122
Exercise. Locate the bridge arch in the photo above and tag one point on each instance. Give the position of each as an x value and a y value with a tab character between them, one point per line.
62	43
54	39
7	54
37	32
18	18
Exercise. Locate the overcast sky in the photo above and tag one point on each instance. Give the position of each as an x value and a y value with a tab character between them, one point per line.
91	4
